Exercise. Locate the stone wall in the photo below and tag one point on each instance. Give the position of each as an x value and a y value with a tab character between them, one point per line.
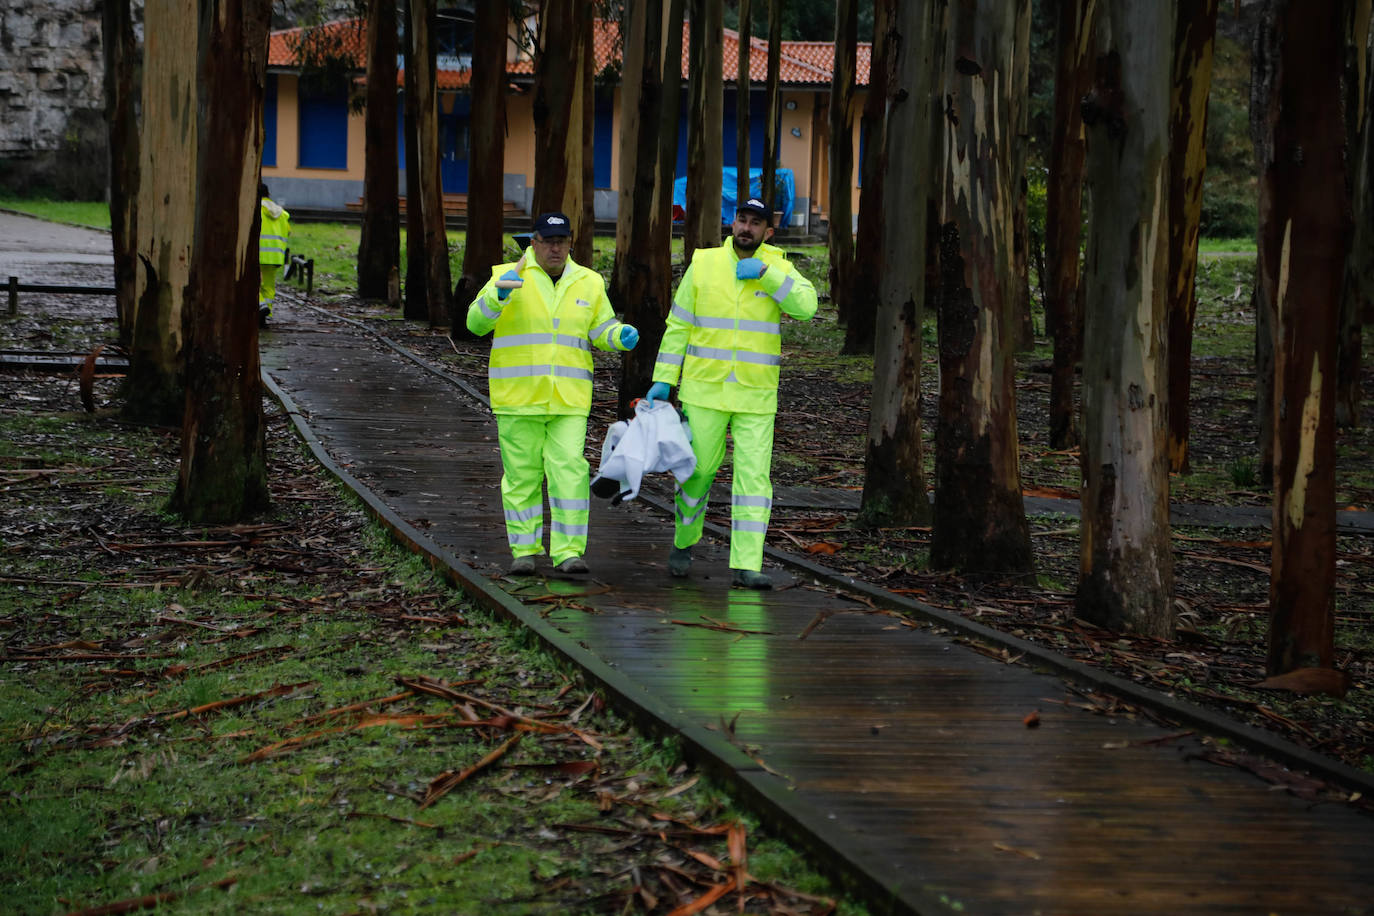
52	129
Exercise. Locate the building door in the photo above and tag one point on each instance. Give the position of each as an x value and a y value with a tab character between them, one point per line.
453	144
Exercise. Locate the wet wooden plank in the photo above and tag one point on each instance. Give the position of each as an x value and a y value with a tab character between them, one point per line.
911	748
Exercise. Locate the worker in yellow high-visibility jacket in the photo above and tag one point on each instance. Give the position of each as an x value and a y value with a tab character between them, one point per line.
276	229
546	315
724	338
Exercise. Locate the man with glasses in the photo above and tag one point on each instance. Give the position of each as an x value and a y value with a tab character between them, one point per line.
724	337
545	316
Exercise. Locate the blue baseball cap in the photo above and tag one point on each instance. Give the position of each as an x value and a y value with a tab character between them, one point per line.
756	206
552	224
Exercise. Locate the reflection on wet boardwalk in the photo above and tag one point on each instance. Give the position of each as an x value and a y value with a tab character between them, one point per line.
899	755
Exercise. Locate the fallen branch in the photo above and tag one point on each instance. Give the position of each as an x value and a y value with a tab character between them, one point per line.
447	782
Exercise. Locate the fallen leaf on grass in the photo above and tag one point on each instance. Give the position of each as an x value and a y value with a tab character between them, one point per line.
444	783
148	901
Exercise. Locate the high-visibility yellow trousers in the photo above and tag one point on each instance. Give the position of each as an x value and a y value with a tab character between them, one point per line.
538	449
751	489
267	285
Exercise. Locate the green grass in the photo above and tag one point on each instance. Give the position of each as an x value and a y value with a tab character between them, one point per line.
95	214
109	792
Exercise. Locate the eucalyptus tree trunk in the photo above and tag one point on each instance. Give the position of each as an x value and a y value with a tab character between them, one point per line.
743	82
770	129
980	520
554	90
1194	40
1303	240
580	189
438	286
1024	327
486	197
840	239
894	477
1126	567
641	281
1264	76
223	472
417	282
705	109
868	249
1357	300
1064	214
379	246
121	60
166	212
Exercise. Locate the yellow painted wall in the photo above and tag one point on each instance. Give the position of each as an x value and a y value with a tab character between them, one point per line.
520	137
288	140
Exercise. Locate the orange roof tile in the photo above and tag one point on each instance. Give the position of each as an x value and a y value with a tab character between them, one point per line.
349	35
802	63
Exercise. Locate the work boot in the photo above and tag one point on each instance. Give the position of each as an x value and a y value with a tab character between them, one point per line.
523	566
679	562
572	566
750	578
263	313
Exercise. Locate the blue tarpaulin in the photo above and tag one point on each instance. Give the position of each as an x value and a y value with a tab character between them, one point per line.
783	200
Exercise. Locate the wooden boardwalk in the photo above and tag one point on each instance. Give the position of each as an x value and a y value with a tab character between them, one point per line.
899	756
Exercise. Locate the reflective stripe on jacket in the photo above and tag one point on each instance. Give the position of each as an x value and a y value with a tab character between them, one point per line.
722	329
541	359
276	227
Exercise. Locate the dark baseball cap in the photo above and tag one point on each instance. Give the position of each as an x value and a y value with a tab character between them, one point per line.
549	225
756	206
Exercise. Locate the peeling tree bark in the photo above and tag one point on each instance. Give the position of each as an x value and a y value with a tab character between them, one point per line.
770	128
840	238
894	478
417	283
1357	299
1264	54
705	108
166	212
223	473
1194	40
1126	568
554	89
579	186
743	82
379	246
1064	215
486	197
641	281
868	252
980	519
1303	243
438	283
121	119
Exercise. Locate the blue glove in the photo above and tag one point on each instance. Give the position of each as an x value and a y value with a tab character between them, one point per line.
750	269
501	291
628	337
658	391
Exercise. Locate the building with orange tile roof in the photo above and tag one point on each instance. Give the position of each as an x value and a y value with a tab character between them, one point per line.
315	149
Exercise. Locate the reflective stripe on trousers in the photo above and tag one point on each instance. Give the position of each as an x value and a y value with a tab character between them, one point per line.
751	489
536	450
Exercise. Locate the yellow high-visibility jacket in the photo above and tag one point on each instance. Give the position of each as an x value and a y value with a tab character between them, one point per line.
276	228
541	360
724	335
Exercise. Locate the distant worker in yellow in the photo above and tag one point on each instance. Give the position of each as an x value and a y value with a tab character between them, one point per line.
546	316
724	338
276	229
